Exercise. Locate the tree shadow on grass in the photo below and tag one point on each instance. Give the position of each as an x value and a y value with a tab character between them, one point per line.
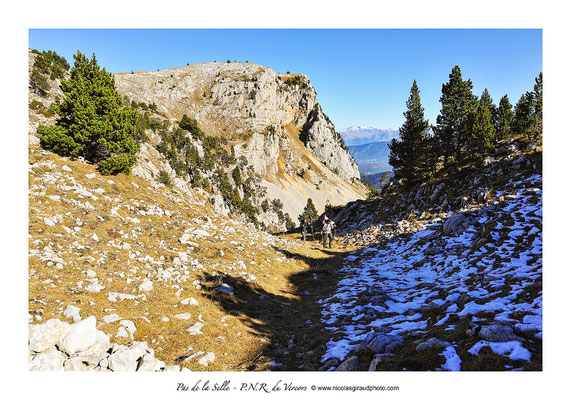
292	322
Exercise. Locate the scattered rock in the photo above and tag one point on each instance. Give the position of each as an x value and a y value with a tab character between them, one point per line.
432	344
195	329
455	224
207	359
380	343
190	301
146	285
498	333
350	364
72	312
225	289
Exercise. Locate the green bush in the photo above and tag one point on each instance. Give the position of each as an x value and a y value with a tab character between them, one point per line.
39	83
93	122
190	124
56	138
164	178
116	164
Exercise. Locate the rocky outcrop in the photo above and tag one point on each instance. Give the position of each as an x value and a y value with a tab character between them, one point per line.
59	346
320	137
271	120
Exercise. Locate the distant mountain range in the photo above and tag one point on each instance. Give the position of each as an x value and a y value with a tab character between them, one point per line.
356	135
369	147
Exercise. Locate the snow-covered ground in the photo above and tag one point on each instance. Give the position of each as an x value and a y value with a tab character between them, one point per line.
391	285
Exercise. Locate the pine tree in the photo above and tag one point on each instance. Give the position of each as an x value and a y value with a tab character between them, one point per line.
528	119
487	100
504	119
309	212
538	106
92	121
454	124
409	155
523	121
483	132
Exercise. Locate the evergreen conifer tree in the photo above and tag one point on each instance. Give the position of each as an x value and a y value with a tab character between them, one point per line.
523	121
487	100
92	121
454	124
538	106
309	212
410	155
504	119
528	118
483	132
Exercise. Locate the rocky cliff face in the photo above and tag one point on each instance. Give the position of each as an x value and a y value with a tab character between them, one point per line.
272	120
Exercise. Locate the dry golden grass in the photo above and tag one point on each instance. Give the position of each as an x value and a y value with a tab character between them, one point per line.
238	336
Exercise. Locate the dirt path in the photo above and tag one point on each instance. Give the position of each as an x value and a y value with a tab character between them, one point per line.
291	320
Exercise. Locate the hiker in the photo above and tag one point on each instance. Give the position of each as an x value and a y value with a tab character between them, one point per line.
327	231
304	226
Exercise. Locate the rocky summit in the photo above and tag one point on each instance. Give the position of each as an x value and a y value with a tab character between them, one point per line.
273	120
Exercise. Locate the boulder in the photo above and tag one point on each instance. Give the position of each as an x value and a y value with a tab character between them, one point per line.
379	343
190	301
350	364
42	337
150	364
432	344
374	363
80	336
498	333
455	224
51	360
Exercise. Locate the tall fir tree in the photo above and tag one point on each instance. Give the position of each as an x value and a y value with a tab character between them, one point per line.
309	212
92	120
454	123
504	119
528	118
483	132
487	100
410	155
538	106
523	116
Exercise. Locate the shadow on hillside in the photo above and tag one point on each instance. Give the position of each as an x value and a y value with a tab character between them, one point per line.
292	321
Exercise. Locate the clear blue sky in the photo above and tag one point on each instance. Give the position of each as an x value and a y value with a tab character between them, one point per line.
362	77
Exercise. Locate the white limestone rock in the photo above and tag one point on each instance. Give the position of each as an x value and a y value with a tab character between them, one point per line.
42	337
80	336
195	329
207	359
72	312
146	286
190	301
50	360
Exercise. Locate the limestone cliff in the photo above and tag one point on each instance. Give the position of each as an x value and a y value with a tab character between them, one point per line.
273	120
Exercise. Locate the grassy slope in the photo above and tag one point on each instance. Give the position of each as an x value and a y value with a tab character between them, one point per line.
243	331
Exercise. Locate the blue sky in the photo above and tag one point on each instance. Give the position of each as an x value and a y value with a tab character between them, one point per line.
362	77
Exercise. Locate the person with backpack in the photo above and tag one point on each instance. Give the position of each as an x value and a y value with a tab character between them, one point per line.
327	231
304	227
